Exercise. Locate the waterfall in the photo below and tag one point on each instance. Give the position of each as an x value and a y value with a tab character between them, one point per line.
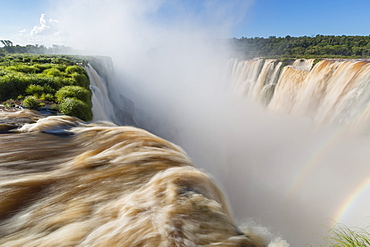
255	78
101	105
330	92
276	168
108	102
65	182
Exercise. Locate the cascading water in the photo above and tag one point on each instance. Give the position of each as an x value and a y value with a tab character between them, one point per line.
64	182
332	182
278	169
255	78
108	103
101	104
331	92
275	169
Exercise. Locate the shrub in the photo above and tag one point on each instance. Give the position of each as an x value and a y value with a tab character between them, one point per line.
62	60
35	90
54	107
31	102
75	68
48	89
42	59
48	97
60	67
51	84
12	85
53	72
26	59
74	92
41	67
77	108
23	68
80	80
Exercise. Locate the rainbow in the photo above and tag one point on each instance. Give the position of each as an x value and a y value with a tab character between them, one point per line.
313	161
352	199
324	148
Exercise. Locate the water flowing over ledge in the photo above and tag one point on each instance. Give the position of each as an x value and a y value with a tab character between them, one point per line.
108	102
283	173
61	175
66	182
328	92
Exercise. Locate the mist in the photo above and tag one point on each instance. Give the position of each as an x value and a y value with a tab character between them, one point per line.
278	171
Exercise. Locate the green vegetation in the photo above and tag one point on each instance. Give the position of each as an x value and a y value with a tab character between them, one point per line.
56	81
342	236
31	102
9	47
76	107
320	46
75	101
73	92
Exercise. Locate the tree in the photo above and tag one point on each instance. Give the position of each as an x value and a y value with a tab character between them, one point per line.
6	42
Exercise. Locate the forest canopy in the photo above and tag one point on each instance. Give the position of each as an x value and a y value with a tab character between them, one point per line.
10	48
319	46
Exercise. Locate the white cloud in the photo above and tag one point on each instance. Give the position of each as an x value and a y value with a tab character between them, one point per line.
47	33
47	27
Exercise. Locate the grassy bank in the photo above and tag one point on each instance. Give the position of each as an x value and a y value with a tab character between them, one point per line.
55	82
343	236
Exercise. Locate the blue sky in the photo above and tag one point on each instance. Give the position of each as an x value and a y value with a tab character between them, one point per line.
17	15
250	18
299	18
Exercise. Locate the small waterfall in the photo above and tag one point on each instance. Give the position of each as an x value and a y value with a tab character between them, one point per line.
102	106
287	88
266	80
246	75
255	78
108	102
303	64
